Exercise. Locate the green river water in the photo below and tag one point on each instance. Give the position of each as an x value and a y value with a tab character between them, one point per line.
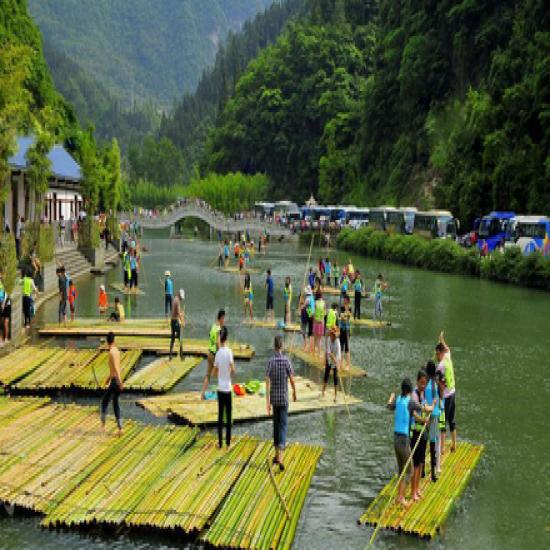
501	349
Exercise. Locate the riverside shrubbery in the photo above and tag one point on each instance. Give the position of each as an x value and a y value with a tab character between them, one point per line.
447	256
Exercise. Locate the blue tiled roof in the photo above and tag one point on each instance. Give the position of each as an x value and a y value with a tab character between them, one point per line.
63	165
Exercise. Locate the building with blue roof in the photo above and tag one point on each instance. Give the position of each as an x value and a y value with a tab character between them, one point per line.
63	197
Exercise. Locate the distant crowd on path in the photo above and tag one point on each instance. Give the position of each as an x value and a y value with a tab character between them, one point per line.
421	416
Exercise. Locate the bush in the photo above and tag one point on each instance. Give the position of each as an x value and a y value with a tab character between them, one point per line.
8	261
42	234
113	227
88	234
447	256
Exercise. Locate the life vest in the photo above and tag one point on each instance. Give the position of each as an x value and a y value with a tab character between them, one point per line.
378	288
27	286
449	373
344	286
331	318
2	291
169	286
102	299
402	418
358	285
213	339
287	293
310	308
319	310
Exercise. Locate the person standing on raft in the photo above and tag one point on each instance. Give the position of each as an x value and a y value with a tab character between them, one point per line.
379	286
168	293
279	372
213	347
446	368
404	407
333	360
113	383
270	286
177	322
224	368
418	442
287	296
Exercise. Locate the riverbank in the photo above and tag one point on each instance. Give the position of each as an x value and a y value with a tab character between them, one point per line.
447	256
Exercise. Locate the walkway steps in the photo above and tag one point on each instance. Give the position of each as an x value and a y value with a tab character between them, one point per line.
319	363
426	517
55	459
189	408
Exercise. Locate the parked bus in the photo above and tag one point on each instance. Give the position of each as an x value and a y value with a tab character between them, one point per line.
435	224
401	220
358	217
264	209
531	233
493	229
379	217
286	212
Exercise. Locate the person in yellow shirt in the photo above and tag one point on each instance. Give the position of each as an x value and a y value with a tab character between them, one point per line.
118	314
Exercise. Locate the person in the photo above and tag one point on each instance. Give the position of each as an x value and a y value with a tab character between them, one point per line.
278	373
328	270
126	269
287	295
379	286
248	295
310	308
177	322
224	369
333	360
404	407
3	301
35	261
213	347
270	286
336	273
331	320
62	226
18	235
311	278
433	396
304	319
226	254
321	267
236	250
358	288
134	260
113	383
319	323
418	437
29	289
168	293
62	287
344	287
446	368
441	384
350	269
345	331
72	296
102	301
118	314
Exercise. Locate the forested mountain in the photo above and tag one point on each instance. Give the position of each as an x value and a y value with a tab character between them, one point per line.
435	103
138	49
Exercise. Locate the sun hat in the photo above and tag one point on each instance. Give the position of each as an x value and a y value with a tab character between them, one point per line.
102	287
167	273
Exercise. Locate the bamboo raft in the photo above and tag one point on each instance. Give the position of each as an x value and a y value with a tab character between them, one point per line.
370	323
235	270
153	328
79	369
261	323
319	363
21	362
119	287
161	375
161	346
188	406
426	517
55	460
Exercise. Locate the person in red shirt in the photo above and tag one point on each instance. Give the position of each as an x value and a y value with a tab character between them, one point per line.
103	301
72	295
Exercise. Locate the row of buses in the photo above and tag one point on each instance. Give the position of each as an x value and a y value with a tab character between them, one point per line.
495	230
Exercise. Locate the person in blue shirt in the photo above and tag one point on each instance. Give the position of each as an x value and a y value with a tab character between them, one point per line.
168	293
404	408
432	395
270	286
328	270
311	278
133	270
226	254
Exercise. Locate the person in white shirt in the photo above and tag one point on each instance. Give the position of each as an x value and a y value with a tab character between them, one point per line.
224	368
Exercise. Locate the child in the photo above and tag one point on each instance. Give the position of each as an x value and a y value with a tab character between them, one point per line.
287	295
103	301
73	293
404	407
118	314
224	368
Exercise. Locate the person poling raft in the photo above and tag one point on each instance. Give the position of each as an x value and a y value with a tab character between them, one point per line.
177	322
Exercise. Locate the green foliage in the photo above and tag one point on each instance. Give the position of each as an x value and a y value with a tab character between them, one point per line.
150	195
88	234
447	256
113	193
43	236
144	49
8	260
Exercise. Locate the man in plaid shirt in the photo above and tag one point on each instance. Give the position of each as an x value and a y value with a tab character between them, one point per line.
279	372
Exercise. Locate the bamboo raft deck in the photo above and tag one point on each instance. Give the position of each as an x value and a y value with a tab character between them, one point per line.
161	346
426	517
261	323
161	375
54	459
370	323
21	362
319	363
189	407
236	271
153	328
79	369
119	287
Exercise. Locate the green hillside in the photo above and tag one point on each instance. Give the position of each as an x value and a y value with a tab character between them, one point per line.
139	49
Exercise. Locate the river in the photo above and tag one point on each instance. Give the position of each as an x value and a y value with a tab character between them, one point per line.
500	341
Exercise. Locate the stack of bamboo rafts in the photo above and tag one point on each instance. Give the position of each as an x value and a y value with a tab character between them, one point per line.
189	407
78	369
161	375
56	460
161	346
319	362
425	517
263	508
